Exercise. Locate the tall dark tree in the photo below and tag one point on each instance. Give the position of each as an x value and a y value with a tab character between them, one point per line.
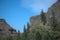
25	33
28	31
43	17
28	26
24	28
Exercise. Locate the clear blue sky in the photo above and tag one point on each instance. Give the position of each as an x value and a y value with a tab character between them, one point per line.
18	12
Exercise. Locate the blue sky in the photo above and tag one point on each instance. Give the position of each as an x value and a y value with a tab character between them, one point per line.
18	12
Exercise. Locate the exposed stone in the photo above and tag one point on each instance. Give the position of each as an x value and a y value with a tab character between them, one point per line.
36	23
35	20
6	29
56	8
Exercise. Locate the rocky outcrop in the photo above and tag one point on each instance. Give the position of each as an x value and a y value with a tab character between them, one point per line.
35	20
56	9
6	29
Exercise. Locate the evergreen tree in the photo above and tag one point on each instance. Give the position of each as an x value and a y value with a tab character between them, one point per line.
43	17
24	29
28	26
25	33
28	31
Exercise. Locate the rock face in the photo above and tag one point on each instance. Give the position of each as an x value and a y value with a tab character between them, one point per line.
56	9
35	20
6	29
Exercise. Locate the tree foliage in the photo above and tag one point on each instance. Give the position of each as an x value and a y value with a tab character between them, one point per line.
38	36
43	17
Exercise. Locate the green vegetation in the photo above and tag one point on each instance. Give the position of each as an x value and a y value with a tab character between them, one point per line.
38	32
43	17
38	36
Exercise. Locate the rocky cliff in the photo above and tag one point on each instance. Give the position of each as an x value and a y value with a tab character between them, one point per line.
6	29
35	20
56	9
37	25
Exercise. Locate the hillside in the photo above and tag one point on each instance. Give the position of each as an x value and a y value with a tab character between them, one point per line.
6	29
45	26
51	27
36	20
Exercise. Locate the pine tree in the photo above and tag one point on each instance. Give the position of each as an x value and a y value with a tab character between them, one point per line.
25	33
43	17
28	26
24	28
